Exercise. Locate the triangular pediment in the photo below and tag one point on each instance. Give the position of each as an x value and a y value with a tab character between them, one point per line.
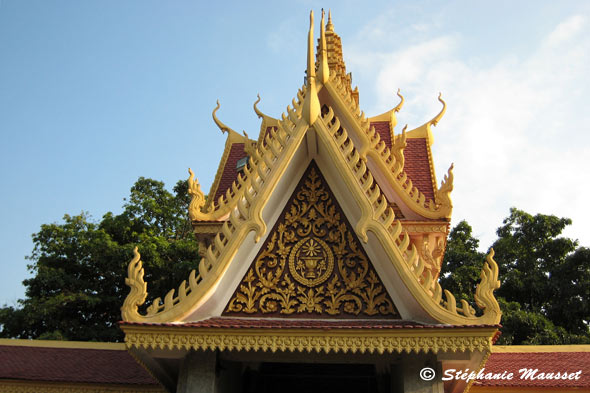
312	264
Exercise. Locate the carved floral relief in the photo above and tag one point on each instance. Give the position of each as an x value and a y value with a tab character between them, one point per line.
312	264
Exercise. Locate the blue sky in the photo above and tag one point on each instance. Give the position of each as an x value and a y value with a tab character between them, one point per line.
95	94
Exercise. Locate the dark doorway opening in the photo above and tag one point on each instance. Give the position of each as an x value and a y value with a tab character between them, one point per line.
314	378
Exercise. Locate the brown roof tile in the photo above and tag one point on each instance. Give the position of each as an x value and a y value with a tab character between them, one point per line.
230	172
382	128
544	362
71	365
283	323
417	166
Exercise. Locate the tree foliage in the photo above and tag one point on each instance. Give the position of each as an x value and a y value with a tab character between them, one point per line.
462	260
545	291
78	266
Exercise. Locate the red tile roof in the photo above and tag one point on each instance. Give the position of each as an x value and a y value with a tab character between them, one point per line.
81	365
382	128
417	166
544	362
326	324
230	172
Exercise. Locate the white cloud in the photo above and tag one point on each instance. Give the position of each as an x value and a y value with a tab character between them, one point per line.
566	30
516	128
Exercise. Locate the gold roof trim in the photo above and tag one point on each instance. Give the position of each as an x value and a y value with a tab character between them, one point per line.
310	340
211	211
311	103
324	68
376	215
380	219
425	130
267	121
61	344
248	197
22	386
390	116
232	137
390	163
251	192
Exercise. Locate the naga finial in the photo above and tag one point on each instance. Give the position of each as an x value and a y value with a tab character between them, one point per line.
484	292
138	288
401	102
442	196
256	110
437	118
197	196
221	126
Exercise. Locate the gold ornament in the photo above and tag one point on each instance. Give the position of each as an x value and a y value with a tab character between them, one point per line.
312	264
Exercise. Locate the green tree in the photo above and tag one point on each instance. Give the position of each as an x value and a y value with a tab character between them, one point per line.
462	262
78	266
545	291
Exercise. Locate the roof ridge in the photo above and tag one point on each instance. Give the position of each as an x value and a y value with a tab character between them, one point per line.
383	214
244	210
392	161
61	344
201	211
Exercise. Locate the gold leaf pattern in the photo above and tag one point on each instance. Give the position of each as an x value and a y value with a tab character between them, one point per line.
312	264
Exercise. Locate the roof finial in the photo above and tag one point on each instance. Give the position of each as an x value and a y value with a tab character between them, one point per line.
330	26
401	103
258	113
311	104
441	113
324	68
221	126
310	63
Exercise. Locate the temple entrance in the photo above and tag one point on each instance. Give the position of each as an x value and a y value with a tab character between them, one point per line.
314	378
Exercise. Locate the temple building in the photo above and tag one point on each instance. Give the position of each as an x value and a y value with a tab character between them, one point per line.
321	243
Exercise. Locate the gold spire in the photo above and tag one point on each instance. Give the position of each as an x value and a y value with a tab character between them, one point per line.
333	45
311	104
310	65
324	68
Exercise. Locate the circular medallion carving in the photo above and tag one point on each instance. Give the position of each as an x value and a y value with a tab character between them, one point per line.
311	261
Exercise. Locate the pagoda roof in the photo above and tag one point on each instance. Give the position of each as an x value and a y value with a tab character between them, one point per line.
324	324
544	358
71	362
309	335
53	364
324	125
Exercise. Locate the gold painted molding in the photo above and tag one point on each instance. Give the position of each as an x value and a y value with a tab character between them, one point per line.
424	227
262	174
242	208
377	216
242	212
390	161
539	348
19	386
62	344
310	340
